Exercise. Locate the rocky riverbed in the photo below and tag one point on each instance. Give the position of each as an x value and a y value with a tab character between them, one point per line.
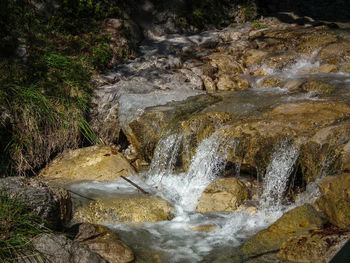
240	137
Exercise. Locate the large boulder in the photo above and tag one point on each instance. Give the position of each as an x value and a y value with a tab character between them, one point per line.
295	222
223	195
60	249
196	129
53	206
335	199
316	246
129	208
104	242
144	132
324	153
98	163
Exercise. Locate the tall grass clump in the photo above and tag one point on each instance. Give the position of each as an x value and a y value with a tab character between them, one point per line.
18	225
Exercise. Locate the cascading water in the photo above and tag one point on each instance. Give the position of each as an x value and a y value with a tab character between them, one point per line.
176	240
165	155
185	189
277	175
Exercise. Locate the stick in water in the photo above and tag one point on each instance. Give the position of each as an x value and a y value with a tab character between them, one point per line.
132	183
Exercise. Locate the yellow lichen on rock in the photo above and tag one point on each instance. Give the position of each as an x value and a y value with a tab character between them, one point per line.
224	194
97	163
131	208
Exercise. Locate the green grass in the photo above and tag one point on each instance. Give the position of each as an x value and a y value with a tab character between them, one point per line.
17	226
45	101
202	13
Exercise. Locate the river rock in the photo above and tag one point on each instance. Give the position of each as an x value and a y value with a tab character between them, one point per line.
231	82
98	163
316	246
316	113
134	209
254	57
145	132
328	68
324	153
40	198
335	201
299	220
335	53
223	195
318	87
225	63
104	242
209	84
60	249
270	82
345	157
196	129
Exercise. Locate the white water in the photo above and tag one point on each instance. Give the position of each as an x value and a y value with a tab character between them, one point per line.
185	189
175	240
277	176
164	157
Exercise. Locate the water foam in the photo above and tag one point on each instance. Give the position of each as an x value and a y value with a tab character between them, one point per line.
185	189
277	175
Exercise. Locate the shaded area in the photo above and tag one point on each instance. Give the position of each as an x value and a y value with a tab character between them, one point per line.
330	10
343	255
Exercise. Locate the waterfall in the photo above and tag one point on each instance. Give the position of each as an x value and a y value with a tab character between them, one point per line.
185	188
165	156
208	162
277	175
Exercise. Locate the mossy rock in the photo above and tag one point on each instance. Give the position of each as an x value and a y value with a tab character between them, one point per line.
298	220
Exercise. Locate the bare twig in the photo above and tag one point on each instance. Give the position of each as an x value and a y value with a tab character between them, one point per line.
132	183
81	195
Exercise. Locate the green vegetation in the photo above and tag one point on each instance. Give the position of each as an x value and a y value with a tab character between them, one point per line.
45	95
17	226
201	13
257	25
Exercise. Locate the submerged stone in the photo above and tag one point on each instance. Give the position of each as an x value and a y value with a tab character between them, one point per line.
223	195
131	209
98	163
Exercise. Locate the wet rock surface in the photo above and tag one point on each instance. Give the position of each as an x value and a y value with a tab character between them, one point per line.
294	222
334	201
315	246
131	209
270	101
224	194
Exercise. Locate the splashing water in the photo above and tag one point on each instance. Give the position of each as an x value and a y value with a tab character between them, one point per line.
165	156
185	189
277	176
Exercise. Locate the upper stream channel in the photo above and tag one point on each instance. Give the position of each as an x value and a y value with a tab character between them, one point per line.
278	86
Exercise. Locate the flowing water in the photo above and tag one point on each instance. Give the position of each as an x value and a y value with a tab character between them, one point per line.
178	240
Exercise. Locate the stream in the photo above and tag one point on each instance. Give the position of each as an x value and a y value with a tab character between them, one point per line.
154	79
